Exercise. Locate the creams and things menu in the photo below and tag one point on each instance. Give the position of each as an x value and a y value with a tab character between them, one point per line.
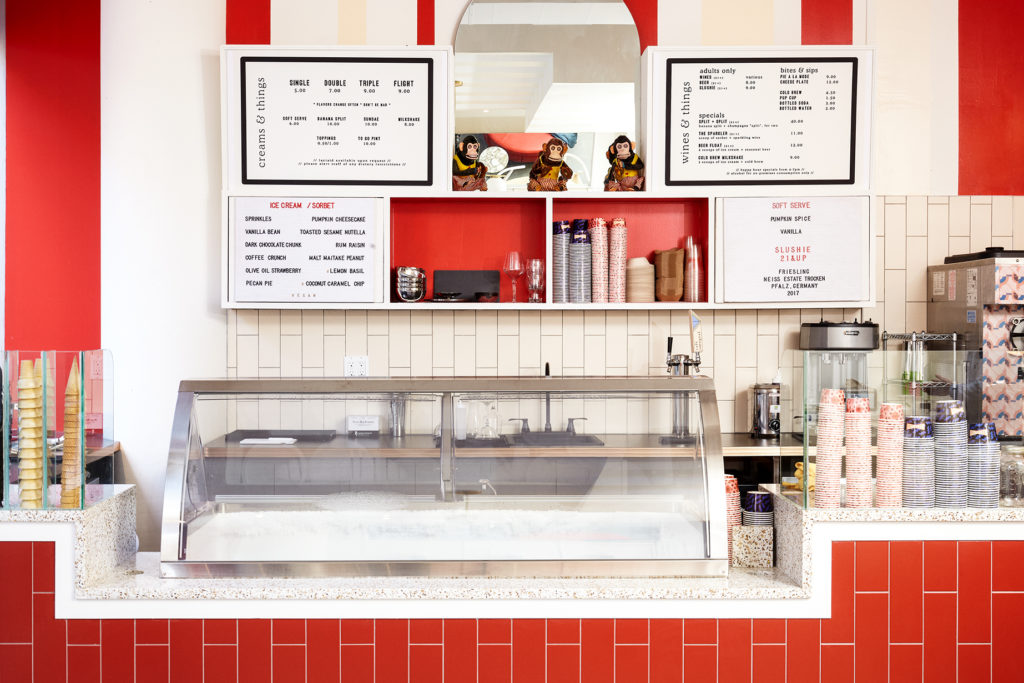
794	249
336	120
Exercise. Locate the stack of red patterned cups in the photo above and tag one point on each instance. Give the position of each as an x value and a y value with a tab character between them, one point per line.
598	261
859	493
889	464
829	454
617	261
733	515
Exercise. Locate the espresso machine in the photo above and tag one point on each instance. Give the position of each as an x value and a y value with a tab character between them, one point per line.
980	297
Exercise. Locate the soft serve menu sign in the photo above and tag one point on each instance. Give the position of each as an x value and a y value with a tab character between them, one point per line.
795	249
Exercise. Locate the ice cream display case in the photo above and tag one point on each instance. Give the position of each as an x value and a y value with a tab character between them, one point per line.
485	476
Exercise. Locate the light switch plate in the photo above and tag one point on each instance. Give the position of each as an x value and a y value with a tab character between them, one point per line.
357	366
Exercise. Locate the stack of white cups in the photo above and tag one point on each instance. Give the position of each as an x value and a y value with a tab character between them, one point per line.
982	467
859	492
889	467
829	455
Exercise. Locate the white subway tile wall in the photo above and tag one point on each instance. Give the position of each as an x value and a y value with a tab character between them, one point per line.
741	347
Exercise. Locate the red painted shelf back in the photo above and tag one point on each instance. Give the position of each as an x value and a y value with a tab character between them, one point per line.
471	233
653	224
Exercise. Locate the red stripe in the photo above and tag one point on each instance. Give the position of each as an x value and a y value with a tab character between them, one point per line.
991	98
247	22
826	22
425	22
53	175
645	16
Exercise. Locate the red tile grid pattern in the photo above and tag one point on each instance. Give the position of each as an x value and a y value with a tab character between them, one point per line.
902	611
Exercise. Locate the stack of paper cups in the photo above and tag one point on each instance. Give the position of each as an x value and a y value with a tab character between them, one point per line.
889	467
617	239
950	426
733	515
579	263
859	493
598	261
829	455
982	468
918	462
560	262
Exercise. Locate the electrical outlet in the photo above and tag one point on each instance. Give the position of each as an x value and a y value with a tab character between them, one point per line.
357	366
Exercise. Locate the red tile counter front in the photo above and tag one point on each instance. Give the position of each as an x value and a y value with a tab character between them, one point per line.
902	611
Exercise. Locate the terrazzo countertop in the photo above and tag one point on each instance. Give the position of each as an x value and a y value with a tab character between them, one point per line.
99	574
148	585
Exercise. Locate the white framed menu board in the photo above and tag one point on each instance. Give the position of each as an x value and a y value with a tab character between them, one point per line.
297	251
793	250
744	116
334	118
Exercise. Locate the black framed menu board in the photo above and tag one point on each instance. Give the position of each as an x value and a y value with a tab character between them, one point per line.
761	120
324	120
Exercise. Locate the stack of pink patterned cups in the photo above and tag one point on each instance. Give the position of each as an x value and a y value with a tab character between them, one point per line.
829	455
617	261
733	515
889	464
859	493
598	261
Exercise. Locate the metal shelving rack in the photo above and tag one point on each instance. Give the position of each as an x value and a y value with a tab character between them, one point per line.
914	388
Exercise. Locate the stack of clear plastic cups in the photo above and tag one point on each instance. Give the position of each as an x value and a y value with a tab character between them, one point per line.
560	262
693	287
617	240
918	462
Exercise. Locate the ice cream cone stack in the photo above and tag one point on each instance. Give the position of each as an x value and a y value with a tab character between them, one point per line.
31	432
71	468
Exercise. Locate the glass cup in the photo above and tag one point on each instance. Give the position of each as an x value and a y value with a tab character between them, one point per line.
514	268
535	279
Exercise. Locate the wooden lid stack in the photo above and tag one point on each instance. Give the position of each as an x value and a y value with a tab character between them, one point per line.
31	432
71	468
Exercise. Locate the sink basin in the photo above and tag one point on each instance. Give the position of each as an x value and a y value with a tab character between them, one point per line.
552	439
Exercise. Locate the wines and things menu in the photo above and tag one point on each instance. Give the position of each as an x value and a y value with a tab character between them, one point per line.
736	121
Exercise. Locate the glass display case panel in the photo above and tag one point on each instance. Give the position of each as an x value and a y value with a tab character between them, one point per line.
574	476
445	476
310	477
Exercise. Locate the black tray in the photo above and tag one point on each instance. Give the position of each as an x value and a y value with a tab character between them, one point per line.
300	435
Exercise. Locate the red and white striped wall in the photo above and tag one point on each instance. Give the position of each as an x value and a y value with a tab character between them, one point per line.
949	118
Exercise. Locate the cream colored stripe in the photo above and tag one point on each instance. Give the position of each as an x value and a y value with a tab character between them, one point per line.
787	22
863	16
904	96
737	22
352	26
303	22
679	23
391	23
447	14
945	97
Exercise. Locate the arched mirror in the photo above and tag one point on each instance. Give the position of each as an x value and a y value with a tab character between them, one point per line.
531	70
